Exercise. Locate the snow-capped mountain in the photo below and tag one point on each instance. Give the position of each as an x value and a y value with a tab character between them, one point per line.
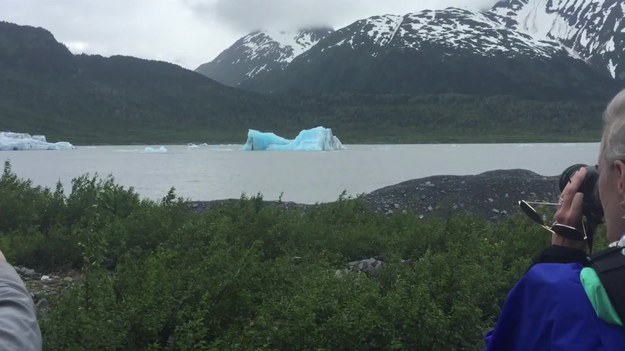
592	29
431	52
260	52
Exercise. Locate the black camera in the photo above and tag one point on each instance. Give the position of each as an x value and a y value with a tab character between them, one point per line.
592	208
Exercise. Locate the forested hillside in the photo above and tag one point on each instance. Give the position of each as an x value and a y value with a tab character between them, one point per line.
44	89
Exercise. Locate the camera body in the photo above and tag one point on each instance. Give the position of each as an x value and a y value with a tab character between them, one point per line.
592	208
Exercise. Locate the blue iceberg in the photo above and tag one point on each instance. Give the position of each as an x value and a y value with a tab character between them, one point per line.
316	139
10	141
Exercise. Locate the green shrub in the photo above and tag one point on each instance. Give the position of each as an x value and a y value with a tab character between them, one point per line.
250	276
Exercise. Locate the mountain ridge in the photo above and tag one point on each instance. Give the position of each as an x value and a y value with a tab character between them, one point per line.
48	90
34	49
436	52
258	52
442	33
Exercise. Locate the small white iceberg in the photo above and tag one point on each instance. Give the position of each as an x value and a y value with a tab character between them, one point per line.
10	141
195	146
315	139
151	150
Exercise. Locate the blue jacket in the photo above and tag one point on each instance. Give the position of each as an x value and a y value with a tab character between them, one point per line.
548	309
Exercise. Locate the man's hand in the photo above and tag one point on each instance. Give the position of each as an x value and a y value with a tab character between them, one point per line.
570	211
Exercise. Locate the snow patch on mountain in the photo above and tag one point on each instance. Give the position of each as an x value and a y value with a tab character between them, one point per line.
289	44
537	20
256	44
377	30
292	44
612	68
382	29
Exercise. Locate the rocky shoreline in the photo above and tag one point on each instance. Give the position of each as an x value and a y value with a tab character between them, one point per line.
490	195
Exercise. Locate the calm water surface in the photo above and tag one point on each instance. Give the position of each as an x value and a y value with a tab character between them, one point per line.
219	172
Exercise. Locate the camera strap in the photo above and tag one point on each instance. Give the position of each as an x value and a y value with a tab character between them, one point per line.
610	267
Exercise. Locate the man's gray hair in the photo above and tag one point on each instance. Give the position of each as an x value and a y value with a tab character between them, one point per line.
613	141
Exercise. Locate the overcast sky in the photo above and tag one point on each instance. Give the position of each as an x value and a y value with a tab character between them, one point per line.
191	32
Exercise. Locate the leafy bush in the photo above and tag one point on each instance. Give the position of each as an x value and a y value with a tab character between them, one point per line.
253	276
99	220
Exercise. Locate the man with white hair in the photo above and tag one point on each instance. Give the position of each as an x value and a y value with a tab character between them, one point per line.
567	301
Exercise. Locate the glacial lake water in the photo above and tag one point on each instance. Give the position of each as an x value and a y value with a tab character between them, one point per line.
222	171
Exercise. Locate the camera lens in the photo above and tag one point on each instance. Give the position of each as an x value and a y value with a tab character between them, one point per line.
568	173
592	208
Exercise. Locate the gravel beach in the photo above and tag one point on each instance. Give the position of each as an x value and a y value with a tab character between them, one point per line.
491	195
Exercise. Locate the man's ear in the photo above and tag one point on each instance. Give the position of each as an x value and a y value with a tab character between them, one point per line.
620	168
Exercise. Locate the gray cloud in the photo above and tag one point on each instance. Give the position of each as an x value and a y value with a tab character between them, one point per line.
248	15
191	32
152	29
283	14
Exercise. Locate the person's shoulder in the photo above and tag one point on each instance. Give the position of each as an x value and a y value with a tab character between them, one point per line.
555	277
553	273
